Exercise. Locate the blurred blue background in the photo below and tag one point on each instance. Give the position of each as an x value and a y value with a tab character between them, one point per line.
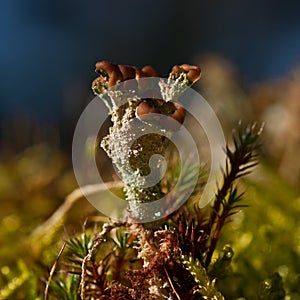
49	48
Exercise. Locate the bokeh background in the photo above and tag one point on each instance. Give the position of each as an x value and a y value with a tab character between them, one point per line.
249	52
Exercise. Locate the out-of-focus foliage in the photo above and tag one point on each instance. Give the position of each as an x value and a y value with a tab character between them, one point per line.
265	236
275	103
33	184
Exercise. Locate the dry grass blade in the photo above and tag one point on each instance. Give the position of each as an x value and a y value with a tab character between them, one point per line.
56	218
171	283
53	270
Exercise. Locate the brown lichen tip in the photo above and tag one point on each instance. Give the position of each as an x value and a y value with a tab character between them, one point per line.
171	109
112	74
192	73
148	71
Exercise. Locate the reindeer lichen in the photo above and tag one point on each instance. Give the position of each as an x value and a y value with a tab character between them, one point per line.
131	153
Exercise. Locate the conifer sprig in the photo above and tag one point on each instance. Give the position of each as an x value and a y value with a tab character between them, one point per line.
240	160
